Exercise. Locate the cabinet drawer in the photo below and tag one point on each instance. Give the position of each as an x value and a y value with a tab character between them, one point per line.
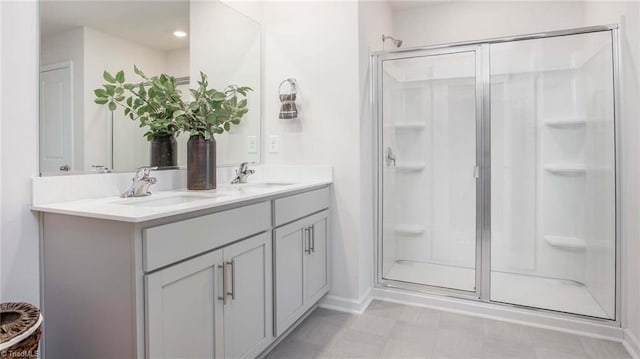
293	207
170	243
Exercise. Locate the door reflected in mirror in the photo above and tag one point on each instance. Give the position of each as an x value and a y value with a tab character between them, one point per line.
81	39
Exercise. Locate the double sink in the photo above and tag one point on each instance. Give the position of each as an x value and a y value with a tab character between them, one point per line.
172	199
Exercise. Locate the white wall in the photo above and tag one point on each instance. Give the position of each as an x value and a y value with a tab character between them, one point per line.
374	19
19	149
177	63
1	158
317	43
445	22
226	46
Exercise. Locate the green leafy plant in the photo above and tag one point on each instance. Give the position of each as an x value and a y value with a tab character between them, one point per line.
153	101
211	111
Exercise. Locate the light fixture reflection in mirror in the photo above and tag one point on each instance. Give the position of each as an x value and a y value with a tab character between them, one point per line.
78	41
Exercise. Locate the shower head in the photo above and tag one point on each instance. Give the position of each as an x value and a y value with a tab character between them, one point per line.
396	42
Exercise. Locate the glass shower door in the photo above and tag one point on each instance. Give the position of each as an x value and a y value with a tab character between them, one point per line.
428	168
553	228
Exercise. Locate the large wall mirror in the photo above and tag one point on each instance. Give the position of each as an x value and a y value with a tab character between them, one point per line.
81	39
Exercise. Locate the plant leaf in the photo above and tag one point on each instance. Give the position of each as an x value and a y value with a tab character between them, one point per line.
139	72
108	77
100	93
120	77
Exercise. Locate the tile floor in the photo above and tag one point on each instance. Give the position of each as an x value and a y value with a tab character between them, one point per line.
389	330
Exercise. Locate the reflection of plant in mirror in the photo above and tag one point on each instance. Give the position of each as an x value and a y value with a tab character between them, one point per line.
153	102
212	111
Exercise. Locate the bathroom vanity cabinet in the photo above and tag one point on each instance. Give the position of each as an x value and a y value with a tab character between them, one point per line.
198	284
301	278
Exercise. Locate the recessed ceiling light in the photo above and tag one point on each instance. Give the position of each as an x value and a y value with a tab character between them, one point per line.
180	33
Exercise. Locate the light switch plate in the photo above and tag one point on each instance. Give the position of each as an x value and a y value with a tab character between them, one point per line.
274	144
252	144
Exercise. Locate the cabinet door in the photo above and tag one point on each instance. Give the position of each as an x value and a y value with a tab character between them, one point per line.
183	313
290	243
248	314
316	281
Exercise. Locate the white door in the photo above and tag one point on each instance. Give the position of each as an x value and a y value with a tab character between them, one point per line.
184	312
316	275
56	119
290	248
248	312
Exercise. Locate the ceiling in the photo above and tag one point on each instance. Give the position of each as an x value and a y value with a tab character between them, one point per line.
149	23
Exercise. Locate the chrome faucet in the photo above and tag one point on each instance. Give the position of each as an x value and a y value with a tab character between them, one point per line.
141	183
242	173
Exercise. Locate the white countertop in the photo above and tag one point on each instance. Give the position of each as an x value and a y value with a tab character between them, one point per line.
171	202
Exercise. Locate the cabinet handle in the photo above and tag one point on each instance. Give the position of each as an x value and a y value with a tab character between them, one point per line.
313	238
224	284
307	240
232	293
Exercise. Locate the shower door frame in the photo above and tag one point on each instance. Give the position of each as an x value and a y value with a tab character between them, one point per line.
483	162
426	53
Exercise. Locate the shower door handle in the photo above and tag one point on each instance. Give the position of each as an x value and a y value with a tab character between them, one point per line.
476	171
389	157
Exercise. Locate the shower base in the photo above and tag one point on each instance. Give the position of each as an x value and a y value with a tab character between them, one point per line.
537	292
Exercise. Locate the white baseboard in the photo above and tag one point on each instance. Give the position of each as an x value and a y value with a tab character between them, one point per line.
348	305
632	344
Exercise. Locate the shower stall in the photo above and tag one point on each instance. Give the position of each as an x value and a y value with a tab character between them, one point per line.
496	170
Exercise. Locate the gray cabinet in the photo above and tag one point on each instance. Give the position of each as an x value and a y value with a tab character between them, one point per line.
215	305
248	313
197	285
301	272
183	313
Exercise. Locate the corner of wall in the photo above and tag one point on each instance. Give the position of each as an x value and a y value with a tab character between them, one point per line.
347	305
19	226
632	344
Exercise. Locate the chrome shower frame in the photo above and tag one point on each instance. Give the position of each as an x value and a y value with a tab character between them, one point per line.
483	158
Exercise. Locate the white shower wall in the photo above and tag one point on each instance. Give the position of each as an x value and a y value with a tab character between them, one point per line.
553	176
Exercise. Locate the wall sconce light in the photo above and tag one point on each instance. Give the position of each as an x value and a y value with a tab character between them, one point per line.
288	109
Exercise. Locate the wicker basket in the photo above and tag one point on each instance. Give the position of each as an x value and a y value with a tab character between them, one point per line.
19	330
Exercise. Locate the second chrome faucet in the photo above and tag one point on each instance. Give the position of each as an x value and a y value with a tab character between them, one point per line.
242	173
141	182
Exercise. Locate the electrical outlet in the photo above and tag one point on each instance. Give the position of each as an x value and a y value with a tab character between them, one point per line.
274	144
252	144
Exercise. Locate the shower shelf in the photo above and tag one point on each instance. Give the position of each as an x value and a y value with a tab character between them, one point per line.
566	123
568	243
566	169
409	229
410	125
410	166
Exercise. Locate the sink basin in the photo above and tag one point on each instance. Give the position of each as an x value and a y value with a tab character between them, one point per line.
165	201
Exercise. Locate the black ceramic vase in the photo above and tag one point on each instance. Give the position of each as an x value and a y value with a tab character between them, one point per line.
201	163
164	151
